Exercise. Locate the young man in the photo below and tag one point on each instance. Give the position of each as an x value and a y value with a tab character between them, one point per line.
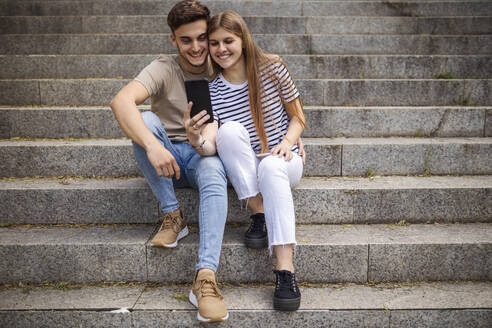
171	148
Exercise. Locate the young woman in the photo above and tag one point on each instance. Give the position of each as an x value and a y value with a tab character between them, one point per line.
261	118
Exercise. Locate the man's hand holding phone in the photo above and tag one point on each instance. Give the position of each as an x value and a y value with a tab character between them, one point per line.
195	124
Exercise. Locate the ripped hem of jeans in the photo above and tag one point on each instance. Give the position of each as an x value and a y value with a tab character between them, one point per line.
270	247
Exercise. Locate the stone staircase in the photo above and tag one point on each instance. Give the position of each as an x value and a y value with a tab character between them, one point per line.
394	212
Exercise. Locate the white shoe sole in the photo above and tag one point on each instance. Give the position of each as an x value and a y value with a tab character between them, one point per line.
183	233
194	301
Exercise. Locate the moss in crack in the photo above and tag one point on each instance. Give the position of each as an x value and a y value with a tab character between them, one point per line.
444	76
427	165
369	173
465	100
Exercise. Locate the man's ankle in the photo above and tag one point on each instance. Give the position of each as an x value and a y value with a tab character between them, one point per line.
204	270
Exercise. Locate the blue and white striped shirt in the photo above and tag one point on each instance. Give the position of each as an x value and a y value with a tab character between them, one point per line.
230	102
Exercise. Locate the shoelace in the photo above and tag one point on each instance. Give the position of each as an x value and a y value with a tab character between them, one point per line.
257	225
172	222
209	288
286	278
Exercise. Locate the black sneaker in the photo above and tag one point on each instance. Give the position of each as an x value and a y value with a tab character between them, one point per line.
256	236
287	296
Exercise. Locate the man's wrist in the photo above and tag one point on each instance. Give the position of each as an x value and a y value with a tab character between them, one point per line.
151	144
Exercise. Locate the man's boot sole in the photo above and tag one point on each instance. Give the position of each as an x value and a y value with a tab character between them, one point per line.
286	304
194	301
183	233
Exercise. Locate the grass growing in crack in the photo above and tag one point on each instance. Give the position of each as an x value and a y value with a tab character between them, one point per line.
444	76
427	165
401	223
65	285
180	297
464	100
418	133
64	178
369	173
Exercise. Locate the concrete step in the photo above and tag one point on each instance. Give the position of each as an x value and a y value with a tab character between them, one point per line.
438	304
398	121
94	122
329	92
263	25
374	200
407	8
274	43
125	7
300	66
324	253
250	8
327	157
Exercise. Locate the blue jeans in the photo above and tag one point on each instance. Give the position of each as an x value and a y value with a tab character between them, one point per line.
206	174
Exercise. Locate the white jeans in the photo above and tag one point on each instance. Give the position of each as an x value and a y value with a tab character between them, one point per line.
272	176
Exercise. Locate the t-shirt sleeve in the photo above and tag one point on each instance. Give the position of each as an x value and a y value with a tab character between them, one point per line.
154	76
287	86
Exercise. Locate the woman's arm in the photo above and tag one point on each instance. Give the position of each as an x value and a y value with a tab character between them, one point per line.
297	124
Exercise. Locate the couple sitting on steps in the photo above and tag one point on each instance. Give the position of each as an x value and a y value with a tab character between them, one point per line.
257	122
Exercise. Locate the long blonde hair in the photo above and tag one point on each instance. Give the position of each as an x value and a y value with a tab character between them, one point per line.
255	59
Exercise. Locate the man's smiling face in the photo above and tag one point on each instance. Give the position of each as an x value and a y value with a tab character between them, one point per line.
192	43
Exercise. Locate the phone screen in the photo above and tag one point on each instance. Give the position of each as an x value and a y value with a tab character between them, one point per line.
197	92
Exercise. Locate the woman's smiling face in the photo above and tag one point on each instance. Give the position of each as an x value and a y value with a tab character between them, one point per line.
225	48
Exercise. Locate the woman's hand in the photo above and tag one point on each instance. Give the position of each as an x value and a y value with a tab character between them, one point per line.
194	125
301	152
283	149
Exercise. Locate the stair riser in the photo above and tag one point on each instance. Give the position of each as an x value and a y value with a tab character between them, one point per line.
300	66
328	8
449	318
133	202
274	43
262	25
253	8
332	122
386	159
89	8
122	255
314	92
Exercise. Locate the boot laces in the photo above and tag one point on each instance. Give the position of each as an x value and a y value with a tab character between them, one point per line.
257	225
172	222
209	288
286	279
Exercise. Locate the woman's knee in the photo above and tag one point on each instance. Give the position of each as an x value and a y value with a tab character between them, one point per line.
270	165
230	137
230	130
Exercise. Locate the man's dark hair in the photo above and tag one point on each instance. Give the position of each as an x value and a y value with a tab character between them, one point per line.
187	11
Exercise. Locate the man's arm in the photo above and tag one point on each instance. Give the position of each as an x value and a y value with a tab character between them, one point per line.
124	106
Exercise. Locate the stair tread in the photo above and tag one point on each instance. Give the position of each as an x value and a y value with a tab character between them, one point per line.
315	234
257	297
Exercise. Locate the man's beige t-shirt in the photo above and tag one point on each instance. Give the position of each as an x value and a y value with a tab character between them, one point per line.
164	80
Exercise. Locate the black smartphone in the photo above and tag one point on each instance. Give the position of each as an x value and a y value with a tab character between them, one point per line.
197	92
